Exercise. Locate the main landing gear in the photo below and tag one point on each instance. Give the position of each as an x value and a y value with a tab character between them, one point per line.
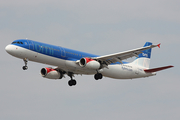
98	76
71	82
25	67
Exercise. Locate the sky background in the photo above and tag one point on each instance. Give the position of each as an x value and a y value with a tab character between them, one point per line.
100	27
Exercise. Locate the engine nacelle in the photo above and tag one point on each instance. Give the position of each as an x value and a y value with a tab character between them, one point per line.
89	63
51	73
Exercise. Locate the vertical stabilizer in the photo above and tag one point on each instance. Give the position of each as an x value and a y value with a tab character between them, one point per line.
143	59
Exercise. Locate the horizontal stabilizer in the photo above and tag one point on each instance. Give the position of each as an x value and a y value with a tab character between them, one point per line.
158	69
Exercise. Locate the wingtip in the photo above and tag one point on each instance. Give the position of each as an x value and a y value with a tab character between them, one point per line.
159	45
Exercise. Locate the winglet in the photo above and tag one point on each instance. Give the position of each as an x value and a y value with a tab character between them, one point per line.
159	45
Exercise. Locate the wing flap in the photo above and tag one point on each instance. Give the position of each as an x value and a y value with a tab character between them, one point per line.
158	69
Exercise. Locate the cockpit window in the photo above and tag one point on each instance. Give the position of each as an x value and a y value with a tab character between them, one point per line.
17	42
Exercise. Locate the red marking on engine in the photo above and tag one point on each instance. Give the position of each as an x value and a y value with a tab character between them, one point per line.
49	70
88	60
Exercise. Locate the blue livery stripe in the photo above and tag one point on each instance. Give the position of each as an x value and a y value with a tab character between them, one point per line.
54	51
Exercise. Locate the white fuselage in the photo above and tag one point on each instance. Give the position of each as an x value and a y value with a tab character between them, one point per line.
116	71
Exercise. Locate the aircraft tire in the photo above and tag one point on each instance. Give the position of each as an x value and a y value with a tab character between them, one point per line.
72	82
98	76
25	67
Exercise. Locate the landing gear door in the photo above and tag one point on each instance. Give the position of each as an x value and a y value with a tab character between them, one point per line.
31	45
62	51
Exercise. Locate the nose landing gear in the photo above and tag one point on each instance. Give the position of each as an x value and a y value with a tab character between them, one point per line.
25	67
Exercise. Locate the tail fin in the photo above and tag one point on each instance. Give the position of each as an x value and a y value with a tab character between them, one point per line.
143	59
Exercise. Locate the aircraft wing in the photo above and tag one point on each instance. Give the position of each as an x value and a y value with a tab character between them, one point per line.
118	57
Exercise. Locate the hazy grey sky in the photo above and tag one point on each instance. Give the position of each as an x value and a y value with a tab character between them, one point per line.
100	27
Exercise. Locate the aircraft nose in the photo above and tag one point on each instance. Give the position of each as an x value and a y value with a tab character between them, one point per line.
8	48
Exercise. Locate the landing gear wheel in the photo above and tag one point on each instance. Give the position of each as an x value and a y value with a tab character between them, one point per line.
25	62
98	76
25	67
72	82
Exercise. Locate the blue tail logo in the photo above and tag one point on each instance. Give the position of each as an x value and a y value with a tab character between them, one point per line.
143	59
146	53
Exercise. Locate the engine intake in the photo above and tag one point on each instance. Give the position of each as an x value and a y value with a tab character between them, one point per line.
89	63
51	73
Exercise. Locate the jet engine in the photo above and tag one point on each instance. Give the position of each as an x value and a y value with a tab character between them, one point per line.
51	73
89	63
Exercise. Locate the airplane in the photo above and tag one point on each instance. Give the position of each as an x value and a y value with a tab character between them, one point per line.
70	62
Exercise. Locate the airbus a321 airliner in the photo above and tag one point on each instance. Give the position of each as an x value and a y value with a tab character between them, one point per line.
72	62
